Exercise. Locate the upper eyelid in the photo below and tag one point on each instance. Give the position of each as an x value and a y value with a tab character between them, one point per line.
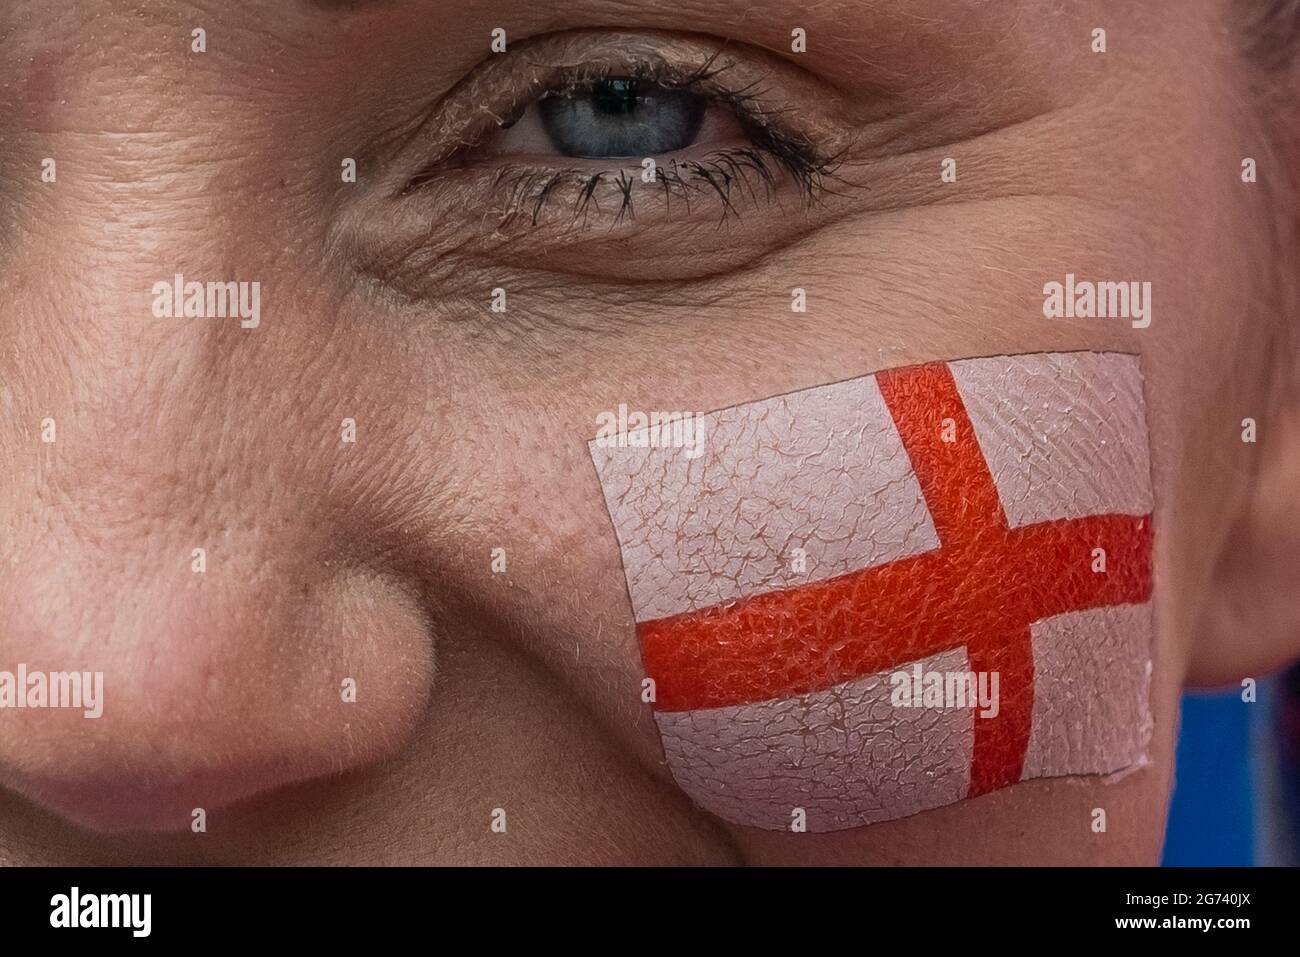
775	94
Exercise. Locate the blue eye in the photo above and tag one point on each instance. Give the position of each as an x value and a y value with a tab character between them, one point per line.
621	117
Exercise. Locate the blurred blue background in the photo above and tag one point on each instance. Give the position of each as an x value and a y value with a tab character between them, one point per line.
1233	796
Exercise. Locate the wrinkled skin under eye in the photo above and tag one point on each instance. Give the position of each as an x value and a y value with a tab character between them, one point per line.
621	117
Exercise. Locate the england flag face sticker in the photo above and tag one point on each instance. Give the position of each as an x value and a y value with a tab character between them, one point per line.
884	595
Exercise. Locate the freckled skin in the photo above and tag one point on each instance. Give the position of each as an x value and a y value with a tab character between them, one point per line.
372	560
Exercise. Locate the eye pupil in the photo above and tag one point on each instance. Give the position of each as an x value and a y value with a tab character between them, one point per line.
622	117
615	97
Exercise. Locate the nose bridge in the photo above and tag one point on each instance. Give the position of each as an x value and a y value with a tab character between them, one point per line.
134	275
132	319
145	264
122	420
124	324
142	496
135	189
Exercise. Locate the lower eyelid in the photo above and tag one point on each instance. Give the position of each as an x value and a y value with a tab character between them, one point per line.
558	206
725	172
529	214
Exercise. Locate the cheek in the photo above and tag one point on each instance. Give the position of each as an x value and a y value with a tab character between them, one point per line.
869	599
727	576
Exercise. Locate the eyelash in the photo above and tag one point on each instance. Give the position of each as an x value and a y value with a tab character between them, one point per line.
530	190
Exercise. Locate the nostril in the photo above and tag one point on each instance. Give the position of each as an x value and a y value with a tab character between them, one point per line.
209	698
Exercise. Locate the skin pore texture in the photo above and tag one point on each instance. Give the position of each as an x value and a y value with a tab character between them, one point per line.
372	560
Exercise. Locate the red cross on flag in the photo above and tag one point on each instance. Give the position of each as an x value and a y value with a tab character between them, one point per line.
871	598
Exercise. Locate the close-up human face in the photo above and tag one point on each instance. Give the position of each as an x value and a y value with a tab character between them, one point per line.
460	431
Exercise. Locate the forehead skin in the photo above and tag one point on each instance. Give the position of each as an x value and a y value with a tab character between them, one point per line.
472	427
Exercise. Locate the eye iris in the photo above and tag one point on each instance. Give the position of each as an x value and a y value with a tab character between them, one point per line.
622	117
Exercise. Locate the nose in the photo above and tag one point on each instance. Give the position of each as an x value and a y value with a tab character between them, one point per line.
194	532
198	688
176	510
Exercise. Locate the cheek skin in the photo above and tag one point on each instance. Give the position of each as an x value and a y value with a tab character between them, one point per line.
828	543
559	530
927	296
